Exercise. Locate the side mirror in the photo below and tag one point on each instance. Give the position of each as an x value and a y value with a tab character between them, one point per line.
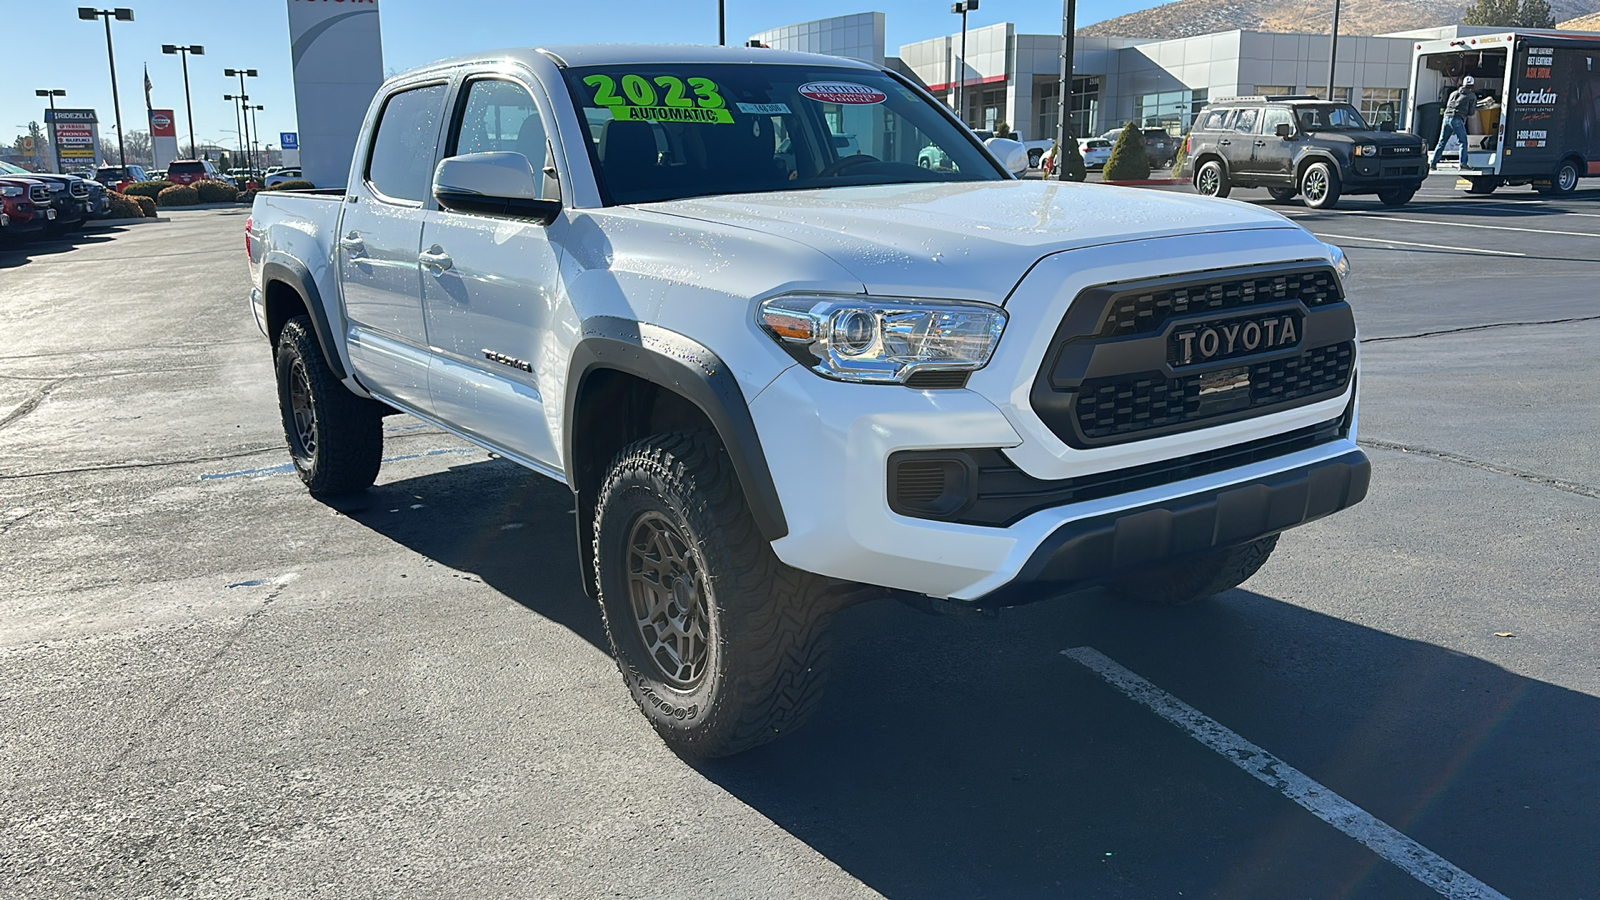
1284	130
493	184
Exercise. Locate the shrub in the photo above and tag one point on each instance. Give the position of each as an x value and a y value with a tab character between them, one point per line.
147	205
1129	160
247	196
178	195
1002	130
146	188
1181	158
296	185
216	192
1073	168
123	207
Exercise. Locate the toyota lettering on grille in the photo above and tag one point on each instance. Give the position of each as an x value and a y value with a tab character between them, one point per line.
1239	337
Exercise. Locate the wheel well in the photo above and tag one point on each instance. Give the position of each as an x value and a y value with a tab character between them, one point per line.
1204	158
611	410
282	304
1579	162
1307	162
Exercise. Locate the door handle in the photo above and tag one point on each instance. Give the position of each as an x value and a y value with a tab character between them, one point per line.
435	258
1224	142
352	243
1261	143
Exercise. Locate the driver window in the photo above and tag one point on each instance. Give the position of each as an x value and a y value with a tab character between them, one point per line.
1245	121
500	116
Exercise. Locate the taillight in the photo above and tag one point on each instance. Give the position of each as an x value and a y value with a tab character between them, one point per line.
247	250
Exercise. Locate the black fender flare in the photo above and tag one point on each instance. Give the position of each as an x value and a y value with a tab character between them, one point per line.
692	371
292	272
1315	156
1210	156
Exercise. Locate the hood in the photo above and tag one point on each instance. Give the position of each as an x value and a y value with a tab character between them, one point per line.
968	240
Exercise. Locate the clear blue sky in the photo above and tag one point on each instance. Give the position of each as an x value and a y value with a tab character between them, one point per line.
255	34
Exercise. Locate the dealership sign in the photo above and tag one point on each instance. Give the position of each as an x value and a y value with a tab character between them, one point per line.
76	134
337	54
289	140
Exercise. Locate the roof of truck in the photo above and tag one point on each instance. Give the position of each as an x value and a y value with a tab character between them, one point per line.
575	55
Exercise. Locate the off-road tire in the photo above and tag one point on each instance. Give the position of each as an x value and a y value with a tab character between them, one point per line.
338	449
764	626
1395	197
1282	195
1211	180
1319	186
1196	578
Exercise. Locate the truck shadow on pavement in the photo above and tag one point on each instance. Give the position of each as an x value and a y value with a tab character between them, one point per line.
961	756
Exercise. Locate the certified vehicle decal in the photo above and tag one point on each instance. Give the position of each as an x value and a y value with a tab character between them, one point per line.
842	92
664	99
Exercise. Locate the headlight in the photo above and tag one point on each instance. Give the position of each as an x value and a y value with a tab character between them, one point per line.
858	338
1366	149
10	191
1341	263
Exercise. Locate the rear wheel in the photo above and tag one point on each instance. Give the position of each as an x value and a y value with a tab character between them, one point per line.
1563	181
722	646
1482	185
1034	156
1319	186
1211	180
1282	195
1396	196
1196	578
335	438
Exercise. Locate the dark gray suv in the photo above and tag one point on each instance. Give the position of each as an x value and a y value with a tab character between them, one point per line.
1302	145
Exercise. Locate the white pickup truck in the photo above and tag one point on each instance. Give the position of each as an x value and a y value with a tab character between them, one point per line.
780	381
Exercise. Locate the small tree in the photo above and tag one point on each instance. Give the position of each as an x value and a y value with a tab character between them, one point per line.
1002	130
1129	161
1510	14
1070	161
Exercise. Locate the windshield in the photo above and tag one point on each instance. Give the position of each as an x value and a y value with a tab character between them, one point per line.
9	169
663	132
186	168
1331	117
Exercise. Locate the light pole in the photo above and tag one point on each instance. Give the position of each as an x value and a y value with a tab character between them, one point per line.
188	106
255	145
722	23
238	132
1333	49
53	93
963	7
121	14
1069	16
243	98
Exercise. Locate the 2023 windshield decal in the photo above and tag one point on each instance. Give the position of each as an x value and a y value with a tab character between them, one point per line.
640	101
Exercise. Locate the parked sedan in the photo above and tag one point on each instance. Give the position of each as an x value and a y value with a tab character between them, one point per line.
282	175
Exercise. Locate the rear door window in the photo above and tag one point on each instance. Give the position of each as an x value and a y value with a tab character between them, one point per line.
401	164
1245	121
1215	120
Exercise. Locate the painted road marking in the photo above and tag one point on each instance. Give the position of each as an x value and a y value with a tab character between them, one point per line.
1587	234
1414	859
1351	237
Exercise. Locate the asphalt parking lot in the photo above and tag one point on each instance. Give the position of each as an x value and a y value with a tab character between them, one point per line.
212	685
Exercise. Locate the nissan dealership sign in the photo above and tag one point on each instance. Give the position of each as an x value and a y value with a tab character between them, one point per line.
337	54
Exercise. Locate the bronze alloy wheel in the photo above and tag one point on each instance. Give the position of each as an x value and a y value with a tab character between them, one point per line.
303	411
666	588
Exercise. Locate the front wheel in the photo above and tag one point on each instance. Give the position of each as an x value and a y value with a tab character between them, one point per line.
1281	195
1396	196
722	646
1320	186
1211	180
335	438
1034	157
1188	580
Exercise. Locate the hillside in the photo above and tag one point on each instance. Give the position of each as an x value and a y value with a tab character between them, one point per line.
1190	17
1591	22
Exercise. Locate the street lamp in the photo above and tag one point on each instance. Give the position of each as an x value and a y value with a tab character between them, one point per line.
238	131
1333	50
121	14
963	7
243	98
1069	26
188	106
54	147
255	145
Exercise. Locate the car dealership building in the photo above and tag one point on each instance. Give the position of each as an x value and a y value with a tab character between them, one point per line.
1014	78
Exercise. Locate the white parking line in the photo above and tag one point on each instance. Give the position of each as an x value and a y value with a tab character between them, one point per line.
1587	234
1351	237
1414	859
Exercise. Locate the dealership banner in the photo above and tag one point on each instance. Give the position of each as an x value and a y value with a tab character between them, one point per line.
163	137
75	135
337	54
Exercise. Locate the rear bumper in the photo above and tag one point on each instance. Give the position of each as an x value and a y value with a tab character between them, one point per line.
1096	549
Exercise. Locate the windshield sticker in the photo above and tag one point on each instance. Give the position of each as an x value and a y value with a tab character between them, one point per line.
662	99
764	109
842	92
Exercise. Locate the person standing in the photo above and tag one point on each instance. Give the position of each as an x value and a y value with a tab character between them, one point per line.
1462	103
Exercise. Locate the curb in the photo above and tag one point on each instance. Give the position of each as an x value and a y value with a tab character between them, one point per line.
118	223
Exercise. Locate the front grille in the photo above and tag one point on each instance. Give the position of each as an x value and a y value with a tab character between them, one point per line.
1126	406
1002	494
80	189
39	194
1400	170
1144	312
1404	152
1136	361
